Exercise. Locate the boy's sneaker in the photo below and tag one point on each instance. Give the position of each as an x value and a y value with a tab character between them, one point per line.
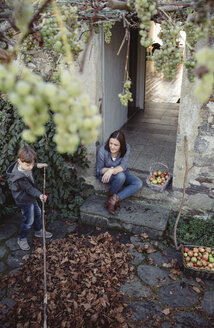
39	234
23	244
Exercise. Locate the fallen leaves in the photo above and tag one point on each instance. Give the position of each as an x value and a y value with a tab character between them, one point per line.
84	275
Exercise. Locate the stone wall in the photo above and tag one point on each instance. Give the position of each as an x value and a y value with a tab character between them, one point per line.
196	122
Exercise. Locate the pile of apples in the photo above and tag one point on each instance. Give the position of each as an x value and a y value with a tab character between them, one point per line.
199	257
159	177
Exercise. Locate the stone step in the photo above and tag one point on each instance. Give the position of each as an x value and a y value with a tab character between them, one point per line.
134	216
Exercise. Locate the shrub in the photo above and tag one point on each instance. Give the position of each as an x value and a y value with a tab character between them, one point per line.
63	186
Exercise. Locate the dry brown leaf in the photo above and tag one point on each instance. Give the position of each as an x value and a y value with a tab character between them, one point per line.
196	289
167	265
172	276
139	248
150	249
144	235
166	311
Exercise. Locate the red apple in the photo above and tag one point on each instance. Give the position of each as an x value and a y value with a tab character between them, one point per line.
205	257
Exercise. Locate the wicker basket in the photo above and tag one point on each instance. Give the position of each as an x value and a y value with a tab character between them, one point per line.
158	166
196	271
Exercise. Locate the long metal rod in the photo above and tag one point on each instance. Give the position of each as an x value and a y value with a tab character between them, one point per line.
44	254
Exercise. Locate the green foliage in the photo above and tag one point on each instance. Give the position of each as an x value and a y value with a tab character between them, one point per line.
194	231
63	187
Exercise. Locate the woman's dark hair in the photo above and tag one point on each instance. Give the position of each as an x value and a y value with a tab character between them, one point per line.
119	135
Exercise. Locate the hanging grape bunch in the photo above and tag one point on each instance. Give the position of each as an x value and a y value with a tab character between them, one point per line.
52	34
107	31
126	95
145	9
76	120
28	45
25	90
195	30
170	55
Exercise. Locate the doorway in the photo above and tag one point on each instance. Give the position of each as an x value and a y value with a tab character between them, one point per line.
151	129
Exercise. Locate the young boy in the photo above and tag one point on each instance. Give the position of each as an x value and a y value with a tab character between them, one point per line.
25	193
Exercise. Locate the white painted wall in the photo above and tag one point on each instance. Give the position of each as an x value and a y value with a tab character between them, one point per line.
114	113
141	75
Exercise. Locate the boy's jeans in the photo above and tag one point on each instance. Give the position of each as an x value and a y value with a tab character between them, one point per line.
125	179
31	215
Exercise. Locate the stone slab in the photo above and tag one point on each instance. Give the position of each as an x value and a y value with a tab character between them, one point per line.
2	267
153	275
191	320
2	251
135	290
176	295
138	257
6	231
134	213
15	259
147	312
208	302
12	244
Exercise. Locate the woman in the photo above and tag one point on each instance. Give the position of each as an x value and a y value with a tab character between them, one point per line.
111	167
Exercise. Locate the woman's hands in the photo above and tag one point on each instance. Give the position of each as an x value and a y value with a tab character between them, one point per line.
109	171
107	175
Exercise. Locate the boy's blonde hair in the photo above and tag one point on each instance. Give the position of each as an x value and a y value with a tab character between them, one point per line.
27	154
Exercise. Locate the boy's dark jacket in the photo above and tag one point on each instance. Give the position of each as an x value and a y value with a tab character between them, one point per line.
24	191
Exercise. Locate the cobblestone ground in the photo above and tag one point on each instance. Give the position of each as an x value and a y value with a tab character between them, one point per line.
160	295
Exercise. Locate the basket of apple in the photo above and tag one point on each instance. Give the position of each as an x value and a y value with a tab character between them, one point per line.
159	177
199	261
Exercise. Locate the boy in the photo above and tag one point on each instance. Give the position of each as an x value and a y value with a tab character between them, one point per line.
24	192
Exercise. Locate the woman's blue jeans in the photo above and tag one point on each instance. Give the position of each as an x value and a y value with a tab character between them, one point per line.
130	182
31	215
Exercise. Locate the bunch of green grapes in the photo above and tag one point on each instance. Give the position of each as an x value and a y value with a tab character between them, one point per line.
131	4
126	95
145	9
52	34
107	31
76	120
25	90
194	32
28	45
204	86
169	56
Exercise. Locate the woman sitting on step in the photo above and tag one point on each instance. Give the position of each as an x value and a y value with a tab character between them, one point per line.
111	167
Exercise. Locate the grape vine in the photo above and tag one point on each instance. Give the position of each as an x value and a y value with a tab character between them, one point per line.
52	34
145	10
76	121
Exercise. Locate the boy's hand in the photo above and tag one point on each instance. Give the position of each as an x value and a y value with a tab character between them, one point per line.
41	165
43	198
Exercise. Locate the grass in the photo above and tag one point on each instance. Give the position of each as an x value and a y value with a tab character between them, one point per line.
193	230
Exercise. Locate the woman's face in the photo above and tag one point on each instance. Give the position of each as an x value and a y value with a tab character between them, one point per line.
114	146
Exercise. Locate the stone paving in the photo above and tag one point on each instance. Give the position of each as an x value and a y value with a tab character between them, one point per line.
158	296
